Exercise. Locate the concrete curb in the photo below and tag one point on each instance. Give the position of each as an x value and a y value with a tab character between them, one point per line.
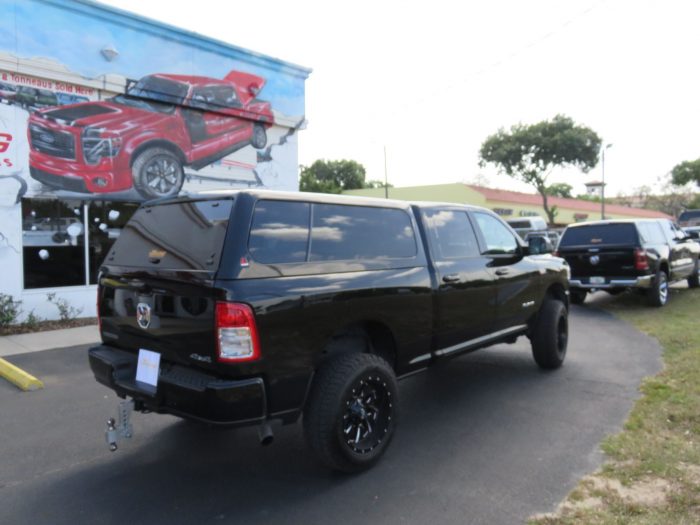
38	341
19	377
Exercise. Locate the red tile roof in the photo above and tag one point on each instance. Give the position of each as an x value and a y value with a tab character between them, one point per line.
534	199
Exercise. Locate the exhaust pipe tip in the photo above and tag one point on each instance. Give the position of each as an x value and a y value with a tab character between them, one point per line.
265	434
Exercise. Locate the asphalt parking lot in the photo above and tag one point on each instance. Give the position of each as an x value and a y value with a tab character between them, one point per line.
487	438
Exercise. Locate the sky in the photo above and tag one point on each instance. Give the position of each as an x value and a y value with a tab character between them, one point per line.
429	81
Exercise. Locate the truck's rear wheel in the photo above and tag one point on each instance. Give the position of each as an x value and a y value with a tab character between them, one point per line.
157	173
259	139
352	411
658	293
550	335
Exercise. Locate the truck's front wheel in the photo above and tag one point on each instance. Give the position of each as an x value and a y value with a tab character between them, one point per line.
550	335
157	173
352	411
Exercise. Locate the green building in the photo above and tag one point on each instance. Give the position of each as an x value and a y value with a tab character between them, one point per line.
511	204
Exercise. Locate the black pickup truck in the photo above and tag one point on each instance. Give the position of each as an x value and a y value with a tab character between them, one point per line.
643	254
254	306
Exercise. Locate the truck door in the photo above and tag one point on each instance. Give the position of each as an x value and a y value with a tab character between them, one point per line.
680	258
465	299
216	128
517	276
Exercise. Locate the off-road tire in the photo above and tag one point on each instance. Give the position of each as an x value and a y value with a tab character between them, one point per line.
550	335
694	279
578	296
147	169
259	138
658	294
328	407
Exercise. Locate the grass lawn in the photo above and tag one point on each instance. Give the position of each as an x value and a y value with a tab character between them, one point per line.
652	472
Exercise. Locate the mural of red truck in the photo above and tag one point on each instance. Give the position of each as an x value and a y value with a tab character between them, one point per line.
145	138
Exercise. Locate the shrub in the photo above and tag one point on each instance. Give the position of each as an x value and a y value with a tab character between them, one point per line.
65	311
9	310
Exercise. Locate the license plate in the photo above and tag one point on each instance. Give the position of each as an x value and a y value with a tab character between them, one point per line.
597	280
148	367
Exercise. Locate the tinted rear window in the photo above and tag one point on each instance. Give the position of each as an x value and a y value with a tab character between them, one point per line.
600	234
177	236
690	214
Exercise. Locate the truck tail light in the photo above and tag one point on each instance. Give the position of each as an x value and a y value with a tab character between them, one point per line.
640	259
236	333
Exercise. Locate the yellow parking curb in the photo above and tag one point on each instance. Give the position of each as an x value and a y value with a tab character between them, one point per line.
19	377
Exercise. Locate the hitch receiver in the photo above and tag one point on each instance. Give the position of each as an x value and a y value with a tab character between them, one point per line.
122	428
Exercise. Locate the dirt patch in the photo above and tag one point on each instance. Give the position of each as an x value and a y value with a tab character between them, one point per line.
594	489
692	472
649	492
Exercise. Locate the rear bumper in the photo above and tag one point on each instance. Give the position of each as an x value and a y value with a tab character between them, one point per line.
182	391
644	281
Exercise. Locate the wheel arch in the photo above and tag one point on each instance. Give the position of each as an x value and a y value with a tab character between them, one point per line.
367	336
158	143
558	292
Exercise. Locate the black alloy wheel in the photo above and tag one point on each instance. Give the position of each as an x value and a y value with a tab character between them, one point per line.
367	417
352	411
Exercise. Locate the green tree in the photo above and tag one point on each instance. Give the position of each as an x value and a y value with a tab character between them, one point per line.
530	152
332	176
685	172
560	189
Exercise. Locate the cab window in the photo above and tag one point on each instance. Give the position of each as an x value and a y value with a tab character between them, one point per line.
451	234
498	238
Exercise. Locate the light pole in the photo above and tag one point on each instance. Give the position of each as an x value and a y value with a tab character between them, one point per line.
602	188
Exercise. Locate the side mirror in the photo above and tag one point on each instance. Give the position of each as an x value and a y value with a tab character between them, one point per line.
539	245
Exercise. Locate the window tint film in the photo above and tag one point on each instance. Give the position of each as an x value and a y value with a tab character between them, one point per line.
651	232
499	239
280	232
176	236
360	232
600	234
451	234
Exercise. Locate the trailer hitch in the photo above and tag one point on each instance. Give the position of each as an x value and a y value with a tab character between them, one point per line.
122	428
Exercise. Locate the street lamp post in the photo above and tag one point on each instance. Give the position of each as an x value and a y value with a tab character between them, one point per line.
602	188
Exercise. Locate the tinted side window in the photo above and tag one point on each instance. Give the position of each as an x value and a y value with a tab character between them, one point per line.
360	232
499	239
670	230
651	232
451	234
279	232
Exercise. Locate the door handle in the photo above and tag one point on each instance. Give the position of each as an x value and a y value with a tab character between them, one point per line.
502	271
450	278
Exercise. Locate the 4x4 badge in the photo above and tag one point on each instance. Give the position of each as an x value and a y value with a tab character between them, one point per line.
143	315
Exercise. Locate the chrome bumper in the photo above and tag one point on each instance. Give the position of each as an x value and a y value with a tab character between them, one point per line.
640	282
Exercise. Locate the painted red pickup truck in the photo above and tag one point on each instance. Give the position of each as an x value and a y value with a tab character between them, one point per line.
145	137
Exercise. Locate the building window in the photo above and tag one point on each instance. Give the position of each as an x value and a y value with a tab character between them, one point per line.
503	212
65	241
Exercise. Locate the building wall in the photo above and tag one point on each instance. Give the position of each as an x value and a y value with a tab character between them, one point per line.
461	193
69	153
437	193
